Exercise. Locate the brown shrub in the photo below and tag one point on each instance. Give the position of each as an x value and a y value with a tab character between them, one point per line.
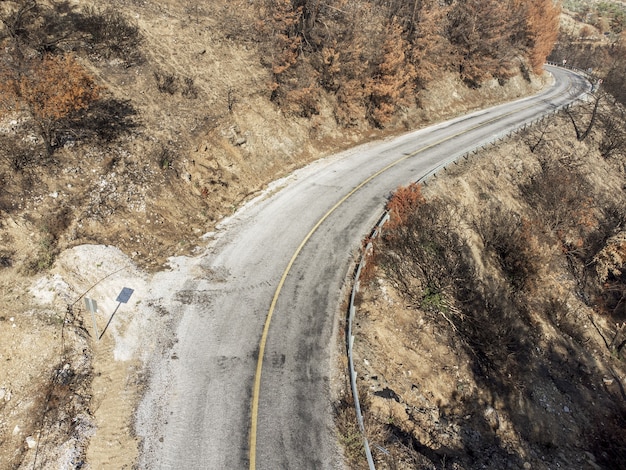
403	204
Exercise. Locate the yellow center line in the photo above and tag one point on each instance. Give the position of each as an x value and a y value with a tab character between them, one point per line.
266	327
259	366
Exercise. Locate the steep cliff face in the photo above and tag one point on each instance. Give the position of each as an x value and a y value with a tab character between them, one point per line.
491	330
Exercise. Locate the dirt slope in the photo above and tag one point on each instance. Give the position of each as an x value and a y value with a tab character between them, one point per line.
505	352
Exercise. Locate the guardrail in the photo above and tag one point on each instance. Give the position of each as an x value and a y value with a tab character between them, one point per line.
582	72
500	137
350	339
378	227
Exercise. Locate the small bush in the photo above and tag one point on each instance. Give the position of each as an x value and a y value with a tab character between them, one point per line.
50	90
16	154
45	256
349	433
165	158
189	89
424	255
404	203
562	195
110	33
303	102
512	240
613	141
6	259
433	300
166	82
51	229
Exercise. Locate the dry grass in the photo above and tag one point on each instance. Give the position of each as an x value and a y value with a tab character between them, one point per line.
519	344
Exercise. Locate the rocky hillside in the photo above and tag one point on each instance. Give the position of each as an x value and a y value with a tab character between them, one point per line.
491	325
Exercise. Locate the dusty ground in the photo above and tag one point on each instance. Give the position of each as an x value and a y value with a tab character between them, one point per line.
542	389
97	219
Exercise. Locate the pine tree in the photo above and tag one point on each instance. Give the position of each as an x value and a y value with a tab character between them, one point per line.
480	32
427	45
542	29
394	79
283	25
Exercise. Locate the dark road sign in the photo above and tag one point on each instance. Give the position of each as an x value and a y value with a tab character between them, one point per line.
124	295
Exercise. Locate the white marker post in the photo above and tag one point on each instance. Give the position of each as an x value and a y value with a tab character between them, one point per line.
92	306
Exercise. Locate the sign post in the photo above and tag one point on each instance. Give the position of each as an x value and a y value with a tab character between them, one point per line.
122	298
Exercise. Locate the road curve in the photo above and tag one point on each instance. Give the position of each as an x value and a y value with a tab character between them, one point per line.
198	410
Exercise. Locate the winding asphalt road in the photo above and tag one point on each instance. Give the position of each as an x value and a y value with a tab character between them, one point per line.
270	281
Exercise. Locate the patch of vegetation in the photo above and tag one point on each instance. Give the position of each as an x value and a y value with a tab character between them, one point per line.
348	431
492	282
170	83
57	26
42	80
6	259
110	34
166	157
166	82
419	249
373	57
45	256
433	300
51	229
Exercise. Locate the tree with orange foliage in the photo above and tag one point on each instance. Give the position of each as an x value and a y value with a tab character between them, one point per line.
426	38
403	204
480	33
281	24
50	89
350	50
542	29
394	77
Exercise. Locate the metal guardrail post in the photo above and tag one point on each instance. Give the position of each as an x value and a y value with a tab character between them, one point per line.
350	341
